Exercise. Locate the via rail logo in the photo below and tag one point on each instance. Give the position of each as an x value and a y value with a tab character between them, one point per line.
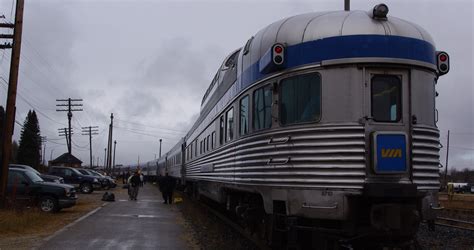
391	153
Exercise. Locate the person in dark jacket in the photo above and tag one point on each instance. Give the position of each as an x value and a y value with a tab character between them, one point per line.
167	185
134	186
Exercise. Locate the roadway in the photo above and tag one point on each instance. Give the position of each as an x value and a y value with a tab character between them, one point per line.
124	224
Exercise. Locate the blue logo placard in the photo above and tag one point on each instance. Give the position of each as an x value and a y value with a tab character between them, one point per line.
391	153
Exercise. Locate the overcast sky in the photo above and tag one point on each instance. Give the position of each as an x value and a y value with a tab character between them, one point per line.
150	62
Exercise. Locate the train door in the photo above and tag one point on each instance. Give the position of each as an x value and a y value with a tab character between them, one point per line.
387	106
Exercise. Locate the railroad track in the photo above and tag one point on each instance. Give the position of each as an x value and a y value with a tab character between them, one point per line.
226	220
455	223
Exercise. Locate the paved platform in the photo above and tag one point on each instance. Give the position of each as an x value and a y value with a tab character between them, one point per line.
123	224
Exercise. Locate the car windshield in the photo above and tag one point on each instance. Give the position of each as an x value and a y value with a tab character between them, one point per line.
34	177
96	174
85	172
76	171
26	168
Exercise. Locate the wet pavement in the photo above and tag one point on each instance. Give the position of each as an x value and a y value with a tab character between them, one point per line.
124	224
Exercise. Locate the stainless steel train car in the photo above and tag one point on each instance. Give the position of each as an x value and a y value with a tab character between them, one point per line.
322	122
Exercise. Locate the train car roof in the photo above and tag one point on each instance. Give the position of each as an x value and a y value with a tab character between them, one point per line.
322	25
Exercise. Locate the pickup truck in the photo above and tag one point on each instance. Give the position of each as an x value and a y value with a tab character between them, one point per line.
45	177
26	187
72	176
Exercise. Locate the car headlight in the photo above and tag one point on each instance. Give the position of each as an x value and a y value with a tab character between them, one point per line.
56	181
95	180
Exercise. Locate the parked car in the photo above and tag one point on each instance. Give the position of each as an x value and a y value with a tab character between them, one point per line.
72	176
29	188
103	181
110	181
45	177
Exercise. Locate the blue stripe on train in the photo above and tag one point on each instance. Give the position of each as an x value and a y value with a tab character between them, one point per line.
349	47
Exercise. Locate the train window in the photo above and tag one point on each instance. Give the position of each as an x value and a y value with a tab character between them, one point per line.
262	108
244	115
300	99
221	130
229	125
386	98
213	140
208	136
200	147
196	148
247	46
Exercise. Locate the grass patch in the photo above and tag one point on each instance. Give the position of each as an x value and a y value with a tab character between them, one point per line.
25	228
21	222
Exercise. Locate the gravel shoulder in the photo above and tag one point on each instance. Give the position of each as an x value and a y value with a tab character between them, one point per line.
208	231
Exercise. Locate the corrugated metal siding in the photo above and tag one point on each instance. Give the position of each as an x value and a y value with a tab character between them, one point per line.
425	154
323	156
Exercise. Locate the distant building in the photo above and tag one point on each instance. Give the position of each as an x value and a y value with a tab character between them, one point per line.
66	160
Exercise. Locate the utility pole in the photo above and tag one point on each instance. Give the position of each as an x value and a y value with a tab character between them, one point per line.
66	133
113	165
109	144
447	161
90	131
11	97
69	104
105	154
160	149
43	141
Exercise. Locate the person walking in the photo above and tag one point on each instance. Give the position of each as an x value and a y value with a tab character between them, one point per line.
141	180
127	176
134	185
167	187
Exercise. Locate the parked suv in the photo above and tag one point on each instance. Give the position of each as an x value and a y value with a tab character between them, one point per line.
85	183
29	188
45	177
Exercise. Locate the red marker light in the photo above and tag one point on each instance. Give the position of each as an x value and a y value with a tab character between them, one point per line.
278	49
443	57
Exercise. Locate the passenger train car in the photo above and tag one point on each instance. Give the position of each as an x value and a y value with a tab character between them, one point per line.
322	122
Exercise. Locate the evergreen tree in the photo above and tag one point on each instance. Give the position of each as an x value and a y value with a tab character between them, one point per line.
30	142
14	152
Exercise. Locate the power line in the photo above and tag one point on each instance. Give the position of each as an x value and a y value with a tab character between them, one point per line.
155	132
32	106
160	128
156	136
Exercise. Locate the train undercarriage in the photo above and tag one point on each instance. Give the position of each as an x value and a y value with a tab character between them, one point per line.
375	221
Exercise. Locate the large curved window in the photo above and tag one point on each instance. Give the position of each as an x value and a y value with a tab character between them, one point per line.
386	98
229	125
262	108
244	115
300	99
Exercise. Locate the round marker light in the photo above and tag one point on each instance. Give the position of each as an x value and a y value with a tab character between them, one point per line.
278	59
443	57
278	49
443	67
